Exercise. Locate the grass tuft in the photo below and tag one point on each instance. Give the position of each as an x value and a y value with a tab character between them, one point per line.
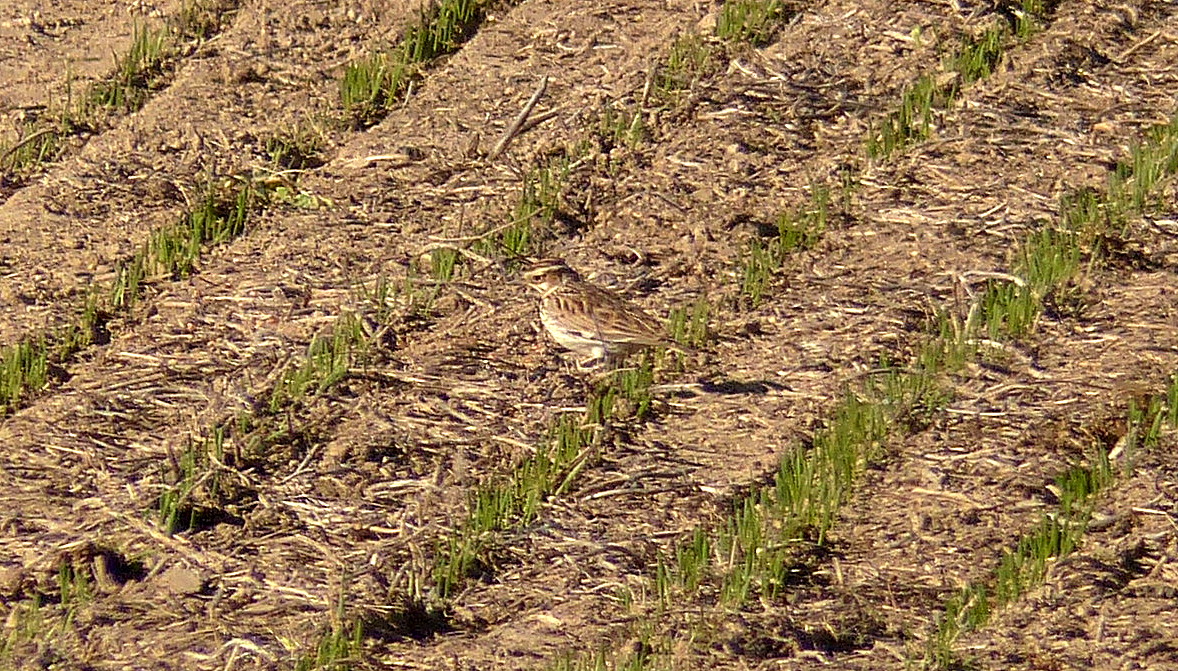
74	585
195	469
25	624
443	262
1134	185
1029	17
964	612
35	145
199	20
621	126
797	230
137	72
24	369
912	122
1024	567
328	361
298	147
751	21
534	212
1048	260
371	85
338	648
689	326
976	59
689	58
377	298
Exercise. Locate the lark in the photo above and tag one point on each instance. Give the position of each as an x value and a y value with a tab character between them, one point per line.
599	326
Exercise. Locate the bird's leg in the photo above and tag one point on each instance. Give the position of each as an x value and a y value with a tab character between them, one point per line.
590	363
598	355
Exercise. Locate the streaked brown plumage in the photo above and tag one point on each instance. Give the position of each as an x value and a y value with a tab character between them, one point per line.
596	324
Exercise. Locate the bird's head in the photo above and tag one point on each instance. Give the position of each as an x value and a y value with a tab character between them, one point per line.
546	274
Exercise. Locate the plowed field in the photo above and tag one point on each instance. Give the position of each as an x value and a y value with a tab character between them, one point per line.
265	458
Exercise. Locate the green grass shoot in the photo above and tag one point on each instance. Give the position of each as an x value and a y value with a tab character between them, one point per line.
371	85
689	58
797	230
911	122
1023	567
975	59
24	369
752	21
328	360
532	214
194	468
443	262
136	71
35	145
338	647
622	126
688	326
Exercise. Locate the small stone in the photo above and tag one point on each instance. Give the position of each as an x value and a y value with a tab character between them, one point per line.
181	580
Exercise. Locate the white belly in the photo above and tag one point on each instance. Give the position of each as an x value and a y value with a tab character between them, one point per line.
589	344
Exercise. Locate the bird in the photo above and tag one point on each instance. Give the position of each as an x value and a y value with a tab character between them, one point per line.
596	324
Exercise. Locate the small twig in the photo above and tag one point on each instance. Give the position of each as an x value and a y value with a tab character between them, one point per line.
481	236
513	130
971	276
646	88
667	199
301	467
25	141
539	119
1152	511
1129	52
400	159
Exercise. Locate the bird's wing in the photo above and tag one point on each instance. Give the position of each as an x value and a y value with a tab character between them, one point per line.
611	318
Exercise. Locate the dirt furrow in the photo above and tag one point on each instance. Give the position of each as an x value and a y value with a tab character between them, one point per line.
979	477
267	73
247	304
60	48
920	532
665	480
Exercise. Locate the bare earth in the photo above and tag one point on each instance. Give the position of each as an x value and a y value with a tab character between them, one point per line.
385	462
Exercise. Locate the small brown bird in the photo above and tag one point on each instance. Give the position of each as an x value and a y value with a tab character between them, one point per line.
596	324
